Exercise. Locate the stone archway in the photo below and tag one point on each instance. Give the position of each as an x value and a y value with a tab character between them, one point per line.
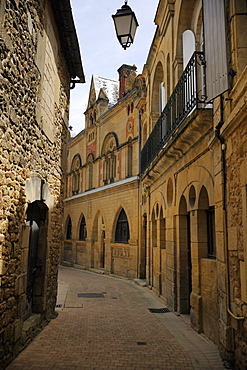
184	259
37	251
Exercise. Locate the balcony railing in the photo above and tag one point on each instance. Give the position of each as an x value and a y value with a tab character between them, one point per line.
187	95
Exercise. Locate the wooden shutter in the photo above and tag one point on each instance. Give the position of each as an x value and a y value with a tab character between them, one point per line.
215	48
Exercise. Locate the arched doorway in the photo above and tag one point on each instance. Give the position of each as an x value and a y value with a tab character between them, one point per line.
37	250
184	259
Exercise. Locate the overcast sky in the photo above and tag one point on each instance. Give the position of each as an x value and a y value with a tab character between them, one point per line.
100	50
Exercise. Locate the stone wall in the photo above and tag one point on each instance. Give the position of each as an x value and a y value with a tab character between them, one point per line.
31	164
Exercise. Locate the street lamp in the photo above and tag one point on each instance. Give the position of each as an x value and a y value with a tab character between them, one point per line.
125	24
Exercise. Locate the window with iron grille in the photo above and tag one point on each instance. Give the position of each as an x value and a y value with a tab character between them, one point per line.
122	228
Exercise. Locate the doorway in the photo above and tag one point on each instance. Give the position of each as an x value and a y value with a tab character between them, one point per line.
184	259
37	247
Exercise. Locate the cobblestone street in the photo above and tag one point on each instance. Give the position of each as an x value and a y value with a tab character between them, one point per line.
104	322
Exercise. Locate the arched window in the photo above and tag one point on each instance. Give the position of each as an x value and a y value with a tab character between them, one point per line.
108	148
90	159
206	220
69	229
189	46
83	229
75	168
158	93
122	228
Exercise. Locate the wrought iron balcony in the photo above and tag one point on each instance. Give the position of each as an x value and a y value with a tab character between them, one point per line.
187	95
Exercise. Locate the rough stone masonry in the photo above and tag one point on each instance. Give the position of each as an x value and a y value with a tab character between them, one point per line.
34	103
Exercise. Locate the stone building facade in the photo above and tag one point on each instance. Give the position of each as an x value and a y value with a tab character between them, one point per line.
40	58
193	167
101	212
186	204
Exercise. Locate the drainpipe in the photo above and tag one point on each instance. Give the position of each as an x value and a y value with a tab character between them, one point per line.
225	221
139	139
139	260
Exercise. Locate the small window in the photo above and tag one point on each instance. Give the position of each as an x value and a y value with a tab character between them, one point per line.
83	229
122	229
69	230
211	232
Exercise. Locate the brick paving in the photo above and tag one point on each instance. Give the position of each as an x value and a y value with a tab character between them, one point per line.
116	331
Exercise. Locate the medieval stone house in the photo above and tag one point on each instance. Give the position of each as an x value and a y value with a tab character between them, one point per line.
40	58
184	203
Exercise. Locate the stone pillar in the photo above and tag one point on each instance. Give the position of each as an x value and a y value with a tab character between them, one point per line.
108	255
149	260
88	252
158	258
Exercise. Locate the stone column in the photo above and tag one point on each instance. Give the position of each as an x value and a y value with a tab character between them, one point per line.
108	255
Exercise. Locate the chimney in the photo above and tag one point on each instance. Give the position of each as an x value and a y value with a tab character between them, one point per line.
127	75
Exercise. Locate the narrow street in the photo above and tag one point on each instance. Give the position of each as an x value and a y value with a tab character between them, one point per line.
105	322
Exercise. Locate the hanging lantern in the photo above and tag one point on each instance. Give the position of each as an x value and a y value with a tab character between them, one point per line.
125	24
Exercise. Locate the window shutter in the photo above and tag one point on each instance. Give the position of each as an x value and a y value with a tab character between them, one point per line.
215	48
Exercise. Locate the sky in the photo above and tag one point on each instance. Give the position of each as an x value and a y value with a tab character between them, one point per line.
101	52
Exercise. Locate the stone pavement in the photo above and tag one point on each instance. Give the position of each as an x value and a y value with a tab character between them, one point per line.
104	323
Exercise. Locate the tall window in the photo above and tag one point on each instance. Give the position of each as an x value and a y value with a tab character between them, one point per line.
211	232
122	229
157	93
109	147
130	155
83	229
69	229
75	182
75	169
90	159
109	169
